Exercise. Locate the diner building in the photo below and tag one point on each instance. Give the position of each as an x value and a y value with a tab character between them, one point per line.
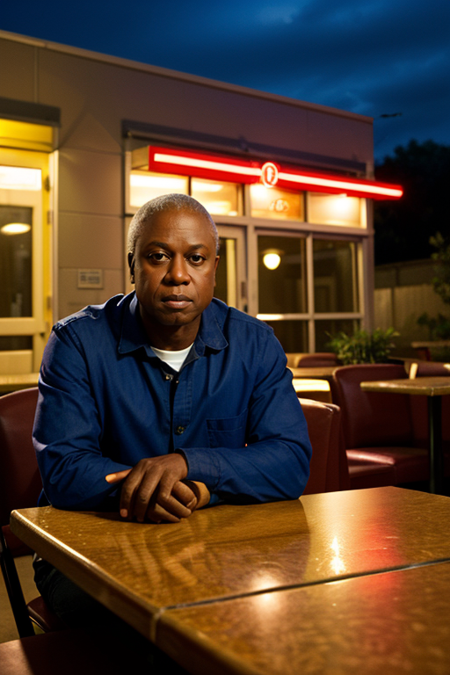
86	139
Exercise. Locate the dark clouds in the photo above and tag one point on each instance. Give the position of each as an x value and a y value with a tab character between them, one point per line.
368	56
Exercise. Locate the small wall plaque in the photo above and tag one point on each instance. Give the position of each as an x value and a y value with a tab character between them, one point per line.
90	278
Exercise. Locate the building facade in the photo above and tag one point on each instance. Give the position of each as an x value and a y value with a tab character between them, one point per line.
85	139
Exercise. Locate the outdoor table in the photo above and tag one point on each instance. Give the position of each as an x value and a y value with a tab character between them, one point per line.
434	388
317	372
380	624
144	572
9	383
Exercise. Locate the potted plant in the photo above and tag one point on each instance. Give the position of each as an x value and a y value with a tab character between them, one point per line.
363	346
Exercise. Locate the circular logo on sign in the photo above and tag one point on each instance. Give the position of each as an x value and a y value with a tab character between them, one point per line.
269	174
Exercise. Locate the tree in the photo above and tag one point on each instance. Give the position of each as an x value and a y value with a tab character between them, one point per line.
403	228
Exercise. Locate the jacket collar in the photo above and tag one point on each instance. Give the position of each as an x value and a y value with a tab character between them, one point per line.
210	334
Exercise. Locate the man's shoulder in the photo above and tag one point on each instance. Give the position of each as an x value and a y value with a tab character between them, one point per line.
110	310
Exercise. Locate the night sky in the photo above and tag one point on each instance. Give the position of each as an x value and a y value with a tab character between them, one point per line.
388	59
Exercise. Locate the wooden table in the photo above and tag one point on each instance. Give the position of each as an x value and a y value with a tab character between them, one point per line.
434	388
9	383
319	372
384	624
238	553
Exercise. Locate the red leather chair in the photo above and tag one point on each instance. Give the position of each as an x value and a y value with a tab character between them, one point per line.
328	466
377	429
20	486
317	360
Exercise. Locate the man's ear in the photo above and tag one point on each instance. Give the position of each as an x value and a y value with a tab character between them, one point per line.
216	263
131	266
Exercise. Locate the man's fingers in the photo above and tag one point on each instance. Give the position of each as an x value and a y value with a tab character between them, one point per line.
185	494
118	476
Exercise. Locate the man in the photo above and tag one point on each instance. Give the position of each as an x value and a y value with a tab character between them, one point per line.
166	400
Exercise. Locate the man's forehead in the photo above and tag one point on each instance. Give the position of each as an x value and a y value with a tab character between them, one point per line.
188	221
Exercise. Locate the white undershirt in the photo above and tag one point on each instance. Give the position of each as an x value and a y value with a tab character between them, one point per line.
174	359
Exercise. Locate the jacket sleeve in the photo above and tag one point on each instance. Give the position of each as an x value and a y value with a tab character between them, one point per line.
67	429
274	463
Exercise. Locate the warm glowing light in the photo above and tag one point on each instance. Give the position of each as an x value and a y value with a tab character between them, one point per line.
213	165
15	228
269	174
272	260
340	184
164	182
270	317
19	178
217	208
303	384
206	187
337	563
217	167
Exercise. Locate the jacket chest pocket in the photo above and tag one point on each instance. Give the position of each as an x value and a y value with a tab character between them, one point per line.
228	432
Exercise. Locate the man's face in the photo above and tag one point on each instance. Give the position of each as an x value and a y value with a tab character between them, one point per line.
174	270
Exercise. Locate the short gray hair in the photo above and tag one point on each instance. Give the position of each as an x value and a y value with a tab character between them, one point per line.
170	202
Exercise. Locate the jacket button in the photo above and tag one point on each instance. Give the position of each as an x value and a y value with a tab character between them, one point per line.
179	430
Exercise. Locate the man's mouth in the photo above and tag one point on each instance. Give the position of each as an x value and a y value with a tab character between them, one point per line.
177	301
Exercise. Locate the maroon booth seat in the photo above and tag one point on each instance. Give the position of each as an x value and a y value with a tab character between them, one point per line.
20	482
328	466
317	360
378	428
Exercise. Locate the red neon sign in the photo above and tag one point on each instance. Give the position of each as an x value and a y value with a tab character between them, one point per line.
221	168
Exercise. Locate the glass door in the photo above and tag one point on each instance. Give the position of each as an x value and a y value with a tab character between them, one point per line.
22	321
231	286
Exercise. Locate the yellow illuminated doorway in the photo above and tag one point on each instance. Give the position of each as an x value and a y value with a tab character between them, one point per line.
25	278
231	285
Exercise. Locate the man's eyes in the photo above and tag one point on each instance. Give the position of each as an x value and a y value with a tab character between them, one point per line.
196	258
159	256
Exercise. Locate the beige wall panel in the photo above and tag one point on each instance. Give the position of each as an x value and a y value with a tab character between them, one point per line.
72	299
90	241
383	317
400	307
90	182
17	71
88	90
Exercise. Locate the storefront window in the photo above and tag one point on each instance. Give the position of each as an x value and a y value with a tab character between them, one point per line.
328	327
335	276
226	280
15	261
145	185
292	334
282	275
329	209
222	199
275	204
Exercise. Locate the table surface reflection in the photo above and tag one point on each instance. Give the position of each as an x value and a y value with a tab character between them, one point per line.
423	386
230	551
389	623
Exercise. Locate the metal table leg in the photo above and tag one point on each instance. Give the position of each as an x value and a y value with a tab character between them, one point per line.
435	436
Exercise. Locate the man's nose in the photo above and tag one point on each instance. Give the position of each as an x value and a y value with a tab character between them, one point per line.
178	272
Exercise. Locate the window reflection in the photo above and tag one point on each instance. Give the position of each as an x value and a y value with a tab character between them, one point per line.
335	276
145	185
217	198
292	334
226	275
15	263
327	327
335	209
275	203
282	289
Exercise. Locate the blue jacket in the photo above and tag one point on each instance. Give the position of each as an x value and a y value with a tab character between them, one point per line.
106	401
